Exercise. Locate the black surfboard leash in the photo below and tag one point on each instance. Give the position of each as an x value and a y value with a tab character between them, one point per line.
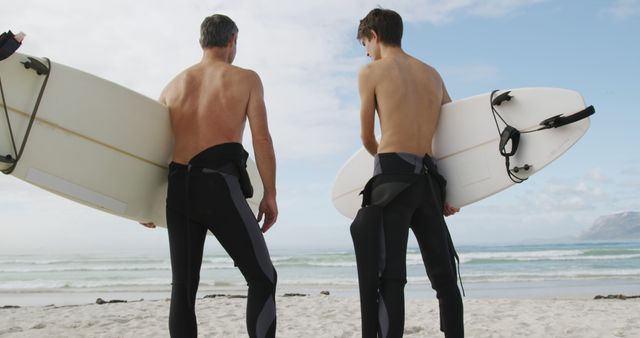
509	135
40	69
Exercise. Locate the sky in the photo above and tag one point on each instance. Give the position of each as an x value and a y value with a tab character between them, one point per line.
308	58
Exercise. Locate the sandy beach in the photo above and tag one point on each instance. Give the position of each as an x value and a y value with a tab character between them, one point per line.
331	316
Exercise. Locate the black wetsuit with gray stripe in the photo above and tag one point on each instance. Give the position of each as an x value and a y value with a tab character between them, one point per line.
406	192
206	195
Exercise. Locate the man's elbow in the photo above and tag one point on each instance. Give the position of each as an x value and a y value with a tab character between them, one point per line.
370	144
263	140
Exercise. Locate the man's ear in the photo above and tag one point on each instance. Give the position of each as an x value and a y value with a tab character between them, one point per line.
374	35
233	40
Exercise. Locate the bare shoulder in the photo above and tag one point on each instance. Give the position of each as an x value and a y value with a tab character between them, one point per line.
368	71
435	73
170	88
247	76
427	67
436	80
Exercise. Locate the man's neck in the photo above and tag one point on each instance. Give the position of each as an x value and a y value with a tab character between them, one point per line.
216	54
390	51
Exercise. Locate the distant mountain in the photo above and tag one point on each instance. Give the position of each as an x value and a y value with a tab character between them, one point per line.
622	226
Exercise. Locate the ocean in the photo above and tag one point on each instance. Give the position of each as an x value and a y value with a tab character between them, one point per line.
571	270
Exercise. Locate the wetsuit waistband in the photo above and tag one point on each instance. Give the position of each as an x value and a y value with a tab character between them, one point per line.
222	155
403	163
226	158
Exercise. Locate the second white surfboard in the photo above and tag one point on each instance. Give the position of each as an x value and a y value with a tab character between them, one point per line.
466	145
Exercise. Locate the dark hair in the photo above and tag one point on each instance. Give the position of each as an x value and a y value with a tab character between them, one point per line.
385	22
216	30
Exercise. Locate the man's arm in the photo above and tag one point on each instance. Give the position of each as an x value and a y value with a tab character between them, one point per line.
448	210
163	95
367	110
163	100
445	94
263	149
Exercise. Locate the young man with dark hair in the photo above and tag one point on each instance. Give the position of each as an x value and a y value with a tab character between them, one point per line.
209	104
406	190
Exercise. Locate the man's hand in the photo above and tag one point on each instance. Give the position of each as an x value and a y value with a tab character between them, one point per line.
19	37
268	208
449	210
148	225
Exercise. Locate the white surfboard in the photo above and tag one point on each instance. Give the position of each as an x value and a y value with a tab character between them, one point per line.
466	145
92	141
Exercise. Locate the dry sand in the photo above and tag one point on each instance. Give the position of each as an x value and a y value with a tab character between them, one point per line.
331	316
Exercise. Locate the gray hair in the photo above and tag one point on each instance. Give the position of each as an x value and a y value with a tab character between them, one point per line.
216	31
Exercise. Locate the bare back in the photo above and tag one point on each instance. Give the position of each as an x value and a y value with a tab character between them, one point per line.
408	95
208	105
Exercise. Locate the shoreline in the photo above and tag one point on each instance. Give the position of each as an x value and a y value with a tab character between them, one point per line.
551	290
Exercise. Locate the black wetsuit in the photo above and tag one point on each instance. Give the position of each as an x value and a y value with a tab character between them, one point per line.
406	192
8	45
206	195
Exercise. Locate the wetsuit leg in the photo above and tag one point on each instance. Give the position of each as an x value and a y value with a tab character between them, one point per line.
402	192
236	228
432	235
380	243
185	272
396	218
366	232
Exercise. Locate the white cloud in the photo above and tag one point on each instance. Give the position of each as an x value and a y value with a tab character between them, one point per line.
305	51
569	195
598	175
497	8
623	9
548	207
626	181
17	194
35	221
